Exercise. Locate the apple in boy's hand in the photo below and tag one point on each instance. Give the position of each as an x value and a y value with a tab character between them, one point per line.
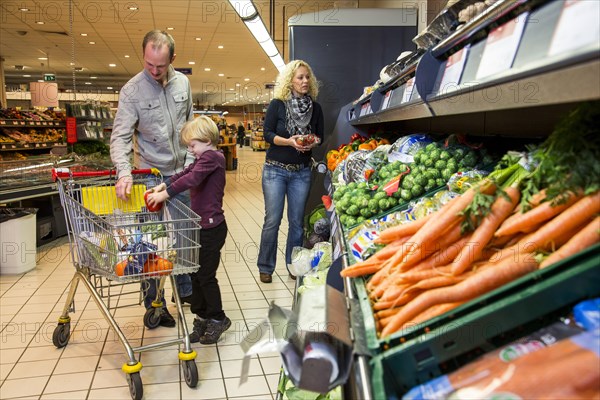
151	208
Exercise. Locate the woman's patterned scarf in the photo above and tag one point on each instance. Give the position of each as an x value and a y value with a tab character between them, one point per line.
298	112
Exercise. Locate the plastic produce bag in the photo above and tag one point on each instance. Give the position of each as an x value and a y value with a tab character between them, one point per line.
405	148
354	170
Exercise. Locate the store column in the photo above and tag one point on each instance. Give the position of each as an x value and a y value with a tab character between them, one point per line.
2	85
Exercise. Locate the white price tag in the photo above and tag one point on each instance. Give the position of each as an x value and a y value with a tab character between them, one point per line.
408	89
386	100
365	109
501	47
577	26
453	71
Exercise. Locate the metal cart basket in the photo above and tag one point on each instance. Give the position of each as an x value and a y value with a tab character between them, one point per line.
116	242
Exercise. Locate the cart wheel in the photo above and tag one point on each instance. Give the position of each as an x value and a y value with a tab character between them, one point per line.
136	390
190	373
152	318
60	337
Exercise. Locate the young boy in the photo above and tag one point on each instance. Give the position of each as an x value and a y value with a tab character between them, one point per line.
205	178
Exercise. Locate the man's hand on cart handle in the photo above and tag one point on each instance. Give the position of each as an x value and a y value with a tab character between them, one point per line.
123	187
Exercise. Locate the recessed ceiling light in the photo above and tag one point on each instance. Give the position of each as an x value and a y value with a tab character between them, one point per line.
92	42
133	8
126	55
245	87
232	89
221	74
192	62
26	76
262	69
170	28
109	87
112	65
207	69
198	38
246	79
25	9
93	77
83	34
42	58
40	22
219	47
71	64
237	84
88	83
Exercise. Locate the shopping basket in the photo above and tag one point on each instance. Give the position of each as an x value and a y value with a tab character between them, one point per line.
123	242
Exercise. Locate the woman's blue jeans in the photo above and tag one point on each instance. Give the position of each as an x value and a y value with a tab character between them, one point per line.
279	184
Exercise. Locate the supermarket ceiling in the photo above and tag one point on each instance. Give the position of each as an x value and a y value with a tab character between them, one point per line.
211	41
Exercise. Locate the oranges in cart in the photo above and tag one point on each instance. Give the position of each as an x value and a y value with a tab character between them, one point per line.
158	266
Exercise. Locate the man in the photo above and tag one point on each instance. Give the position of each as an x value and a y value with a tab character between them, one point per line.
153	106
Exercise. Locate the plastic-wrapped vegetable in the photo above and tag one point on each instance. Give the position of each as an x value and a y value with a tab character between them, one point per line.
355	166
405	148
460	182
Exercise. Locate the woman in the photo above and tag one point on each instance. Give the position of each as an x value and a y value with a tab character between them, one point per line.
286	174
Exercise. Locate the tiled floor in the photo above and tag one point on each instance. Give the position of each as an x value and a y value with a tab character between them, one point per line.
89	367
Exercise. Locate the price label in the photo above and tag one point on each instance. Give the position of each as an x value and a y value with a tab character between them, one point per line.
37	123
22	122
37	145
577	26
408	90
501	47
15	122
2	122
453	71
365	109
44	123
386	100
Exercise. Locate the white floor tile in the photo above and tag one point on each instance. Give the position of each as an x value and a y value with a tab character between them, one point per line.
32	369
12	388
206	389
72	382
78	395
254	386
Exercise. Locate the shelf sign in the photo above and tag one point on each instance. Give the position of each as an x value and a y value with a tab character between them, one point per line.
386	100
577	26
365	109
49	77
501	47
453	71
408	90
71	130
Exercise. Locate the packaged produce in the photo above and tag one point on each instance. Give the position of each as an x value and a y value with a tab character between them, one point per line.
491	363
406	147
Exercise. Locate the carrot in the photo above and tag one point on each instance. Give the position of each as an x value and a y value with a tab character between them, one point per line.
436	282
406	229
432	313
393	292
485	231
400	301
442	219
577	214
582	240
474	286
390	249
443	257
521	222
386	313
417	276
375	262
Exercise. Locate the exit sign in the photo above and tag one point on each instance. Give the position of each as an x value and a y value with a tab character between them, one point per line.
49	77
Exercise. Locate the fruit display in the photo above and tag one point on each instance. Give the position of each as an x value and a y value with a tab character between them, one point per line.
31	135
363	192
357	142
31	115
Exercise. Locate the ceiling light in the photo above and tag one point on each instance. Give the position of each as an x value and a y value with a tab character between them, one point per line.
237	84
92	42
219	47
221	74
262	69
88	83
24	9
192	62
71	64
244	8
83	34
207	69
40	22
198	38
26	76
126	55
109	87
133	8
170	28
112	65
246	79
42	58
93	77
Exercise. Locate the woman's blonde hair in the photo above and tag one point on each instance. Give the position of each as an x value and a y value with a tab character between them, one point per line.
283	87
201	128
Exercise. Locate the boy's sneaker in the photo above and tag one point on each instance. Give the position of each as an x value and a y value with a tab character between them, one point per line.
214	330
166	319
199	329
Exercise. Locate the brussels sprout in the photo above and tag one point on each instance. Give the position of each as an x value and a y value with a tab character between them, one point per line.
417	190
393	202
352	210
440	165
434	155
421	180
384	204
430	185
429	162
431	147
440	182
447	173
350	221
365	212
380	195
405	194
445	155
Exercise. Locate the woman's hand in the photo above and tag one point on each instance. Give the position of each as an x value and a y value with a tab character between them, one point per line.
298	143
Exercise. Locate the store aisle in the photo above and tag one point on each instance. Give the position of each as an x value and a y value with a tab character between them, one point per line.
89	367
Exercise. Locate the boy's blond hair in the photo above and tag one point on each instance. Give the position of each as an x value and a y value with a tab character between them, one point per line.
201	128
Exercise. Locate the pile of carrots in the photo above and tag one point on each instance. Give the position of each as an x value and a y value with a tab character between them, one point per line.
430	266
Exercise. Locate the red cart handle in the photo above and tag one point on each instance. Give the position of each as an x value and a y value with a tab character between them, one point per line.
67	173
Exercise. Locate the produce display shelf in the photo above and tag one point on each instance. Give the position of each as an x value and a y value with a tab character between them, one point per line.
449	341
8	123
8	146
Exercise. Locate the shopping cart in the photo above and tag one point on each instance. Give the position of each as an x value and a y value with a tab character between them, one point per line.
121	242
